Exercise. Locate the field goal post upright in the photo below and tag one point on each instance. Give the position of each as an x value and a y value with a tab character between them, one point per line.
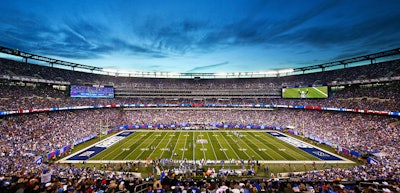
100	126
304	134
107	126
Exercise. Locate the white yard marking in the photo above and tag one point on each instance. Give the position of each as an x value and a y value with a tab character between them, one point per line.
266	143
211	144
223	137
137	157
175	146
320	91
215	135
131	142
128	142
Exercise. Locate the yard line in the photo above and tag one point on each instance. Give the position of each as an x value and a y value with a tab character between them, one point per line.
251	141
139	147
176	145
215	154
220	145
157	145
281	144
250	148
299	154
268	147
295	151
194	149
272	150
202	144
237	156
184	146
320	91
166	147
127	156
116	149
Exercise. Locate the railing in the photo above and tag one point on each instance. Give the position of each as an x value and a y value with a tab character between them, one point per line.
142	187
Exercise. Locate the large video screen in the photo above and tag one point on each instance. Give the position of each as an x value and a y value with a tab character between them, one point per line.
312	92
95	91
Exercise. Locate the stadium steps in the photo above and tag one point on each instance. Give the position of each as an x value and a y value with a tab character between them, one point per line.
394	124
59	78
38	76
11	73
362	77
389	74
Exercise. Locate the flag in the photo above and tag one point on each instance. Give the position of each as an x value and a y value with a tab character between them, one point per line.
372	161
45	178
51	155
39	160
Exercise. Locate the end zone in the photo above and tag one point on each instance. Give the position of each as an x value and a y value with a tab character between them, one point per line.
310	149
96	148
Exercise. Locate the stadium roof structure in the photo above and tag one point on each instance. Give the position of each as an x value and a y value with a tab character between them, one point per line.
27	56
272	73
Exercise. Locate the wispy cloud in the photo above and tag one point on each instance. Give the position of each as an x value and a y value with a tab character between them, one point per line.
158	33
208	67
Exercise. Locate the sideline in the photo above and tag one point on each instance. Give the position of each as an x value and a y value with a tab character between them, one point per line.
210	162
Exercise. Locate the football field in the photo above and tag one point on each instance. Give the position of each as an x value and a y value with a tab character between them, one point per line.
309	92
214	146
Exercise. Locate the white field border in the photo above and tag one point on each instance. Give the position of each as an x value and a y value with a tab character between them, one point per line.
320	91
217	162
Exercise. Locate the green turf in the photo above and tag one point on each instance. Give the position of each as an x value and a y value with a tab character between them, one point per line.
313	92
222	145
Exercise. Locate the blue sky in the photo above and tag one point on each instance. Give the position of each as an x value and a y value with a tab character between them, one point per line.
200	35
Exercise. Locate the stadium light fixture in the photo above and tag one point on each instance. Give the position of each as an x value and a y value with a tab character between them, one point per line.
174	73
220	74
271	72
110	70
132	72
285	71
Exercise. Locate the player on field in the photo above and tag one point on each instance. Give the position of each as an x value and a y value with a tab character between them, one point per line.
303	94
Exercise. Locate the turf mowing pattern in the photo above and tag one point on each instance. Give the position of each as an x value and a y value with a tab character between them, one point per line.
221	145
313	92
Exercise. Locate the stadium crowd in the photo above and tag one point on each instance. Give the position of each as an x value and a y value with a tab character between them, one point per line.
378	70
382	98
93	180
23	138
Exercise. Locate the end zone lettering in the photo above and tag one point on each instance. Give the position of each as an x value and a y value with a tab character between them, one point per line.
305	147
109	141
100	146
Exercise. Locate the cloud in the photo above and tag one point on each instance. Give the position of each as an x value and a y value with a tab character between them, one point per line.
348	35
267	30
158	56
208	67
